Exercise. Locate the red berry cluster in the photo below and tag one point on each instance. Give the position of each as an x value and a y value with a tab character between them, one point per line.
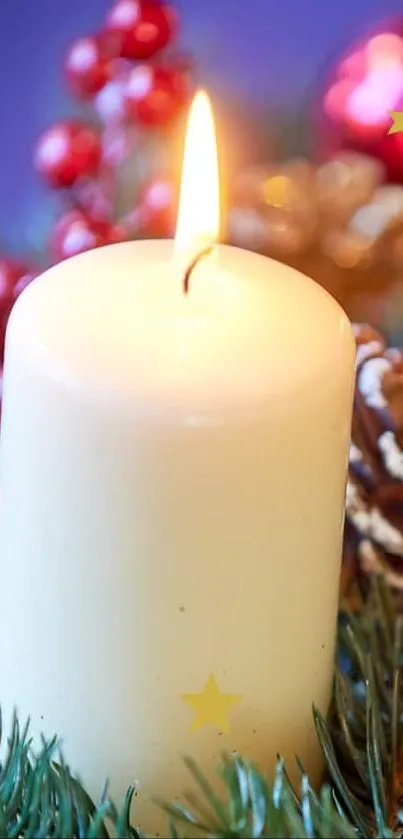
134	84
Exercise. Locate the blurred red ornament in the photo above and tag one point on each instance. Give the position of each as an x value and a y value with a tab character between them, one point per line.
133	225
117	144
154	95
157	202
14	277
93	199
362	90
144	26
25	279
76	232
117	233
89	65
109	102
66	152
12	272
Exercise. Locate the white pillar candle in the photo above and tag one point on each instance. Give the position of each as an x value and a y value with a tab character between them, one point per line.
172	492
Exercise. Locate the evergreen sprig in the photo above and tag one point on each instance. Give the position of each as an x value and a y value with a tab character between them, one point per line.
362	742
39	797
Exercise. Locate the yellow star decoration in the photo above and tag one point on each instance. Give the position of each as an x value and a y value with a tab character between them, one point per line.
397	117
211	706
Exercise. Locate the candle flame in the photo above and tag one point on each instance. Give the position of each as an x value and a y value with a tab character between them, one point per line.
199	202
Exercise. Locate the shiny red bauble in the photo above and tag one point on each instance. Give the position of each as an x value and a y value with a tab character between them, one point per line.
154	95
76	232
364	87
144	27
89	65
66	152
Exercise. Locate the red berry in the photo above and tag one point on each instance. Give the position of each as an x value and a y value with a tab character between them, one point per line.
11	273
76	232
66	152
172	17
109	101
12	276
157	201
94	199
134	223
154	95
117	144
117	233
145	27
23	282
88	66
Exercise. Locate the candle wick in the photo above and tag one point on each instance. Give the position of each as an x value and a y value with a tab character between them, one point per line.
192	266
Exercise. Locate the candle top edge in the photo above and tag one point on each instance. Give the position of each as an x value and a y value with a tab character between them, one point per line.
115	320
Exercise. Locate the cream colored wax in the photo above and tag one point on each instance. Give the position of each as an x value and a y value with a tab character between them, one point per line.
172	490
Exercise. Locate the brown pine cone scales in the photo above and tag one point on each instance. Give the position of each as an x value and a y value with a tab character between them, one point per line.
374	498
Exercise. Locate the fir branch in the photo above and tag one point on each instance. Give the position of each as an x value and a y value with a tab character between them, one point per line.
362	743
40	798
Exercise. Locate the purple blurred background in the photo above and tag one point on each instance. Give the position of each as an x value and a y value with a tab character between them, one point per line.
263	52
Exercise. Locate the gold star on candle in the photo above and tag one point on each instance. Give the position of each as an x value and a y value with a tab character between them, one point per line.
397	124
211	706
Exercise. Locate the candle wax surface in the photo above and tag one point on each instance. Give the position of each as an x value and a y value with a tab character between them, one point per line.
240	338
173	477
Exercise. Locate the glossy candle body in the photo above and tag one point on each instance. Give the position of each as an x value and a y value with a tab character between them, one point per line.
172	479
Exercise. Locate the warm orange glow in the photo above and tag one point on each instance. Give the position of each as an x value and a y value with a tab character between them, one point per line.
199	211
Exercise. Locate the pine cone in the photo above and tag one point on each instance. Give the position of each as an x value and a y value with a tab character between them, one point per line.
374	499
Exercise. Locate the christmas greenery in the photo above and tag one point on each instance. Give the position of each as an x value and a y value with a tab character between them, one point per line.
362	742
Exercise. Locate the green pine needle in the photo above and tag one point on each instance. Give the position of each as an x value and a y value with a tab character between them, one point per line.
362	743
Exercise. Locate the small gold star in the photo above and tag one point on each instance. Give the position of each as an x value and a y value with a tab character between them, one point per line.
397	117
211	706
